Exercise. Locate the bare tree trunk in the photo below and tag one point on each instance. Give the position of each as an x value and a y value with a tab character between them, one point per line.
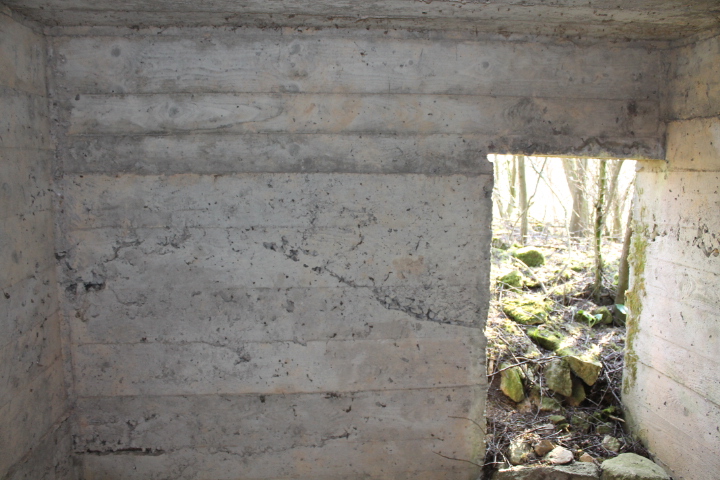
599	223
497	195
613	197
512	178
522	187
624	269
575	177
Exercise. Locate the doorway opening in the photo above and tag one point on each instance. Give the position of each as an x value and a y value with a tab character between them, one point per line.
556	325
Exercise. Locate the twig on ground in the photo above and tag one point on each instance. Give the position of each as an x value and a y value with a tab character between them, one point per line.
524	265
524	362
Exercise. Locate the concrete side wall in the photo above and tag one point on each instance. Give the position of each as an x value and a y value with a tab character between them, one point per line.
276	242
34	437
672	381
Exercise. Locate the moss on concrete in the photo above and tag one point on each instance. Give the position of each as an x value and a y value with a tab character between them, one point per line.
637	259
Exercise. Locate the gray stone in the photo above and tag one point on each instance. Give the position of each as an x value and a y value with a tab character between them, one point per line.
557	377
544	447
586	457
629	466
560	456
575	471
519	451
611	444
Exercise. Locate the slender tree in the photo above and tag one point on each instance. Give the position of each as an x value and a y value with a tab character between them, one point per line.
599	224
522	190
612	202
512	180
575	175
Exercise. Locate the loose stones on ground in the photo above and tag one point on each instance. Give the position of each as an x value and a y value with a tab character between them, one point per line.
629	466
575	471
626	466
560	456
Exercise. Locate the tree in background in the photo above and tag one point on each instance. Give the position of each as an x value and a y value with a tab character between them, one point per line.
598	230
524	206
576	176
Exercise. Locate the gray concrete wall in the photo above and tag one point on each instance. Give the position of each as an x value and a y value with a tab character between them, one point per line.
34	436
671	381
275	242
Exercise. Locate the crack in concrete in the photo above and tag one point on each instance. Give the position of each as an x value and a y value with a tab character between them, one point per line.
138	451
383	295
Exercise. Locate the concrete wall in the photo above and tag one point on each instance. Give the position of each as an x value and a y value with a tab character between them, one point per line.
34	436
275	242
672	387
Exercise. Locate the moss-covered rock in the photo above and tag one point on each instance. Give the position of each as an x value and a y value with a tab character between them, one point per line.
586	365
604	315
513	279
584	316
527	309
499	243
532	257
549	404
545	338
511	383
557	377
557	419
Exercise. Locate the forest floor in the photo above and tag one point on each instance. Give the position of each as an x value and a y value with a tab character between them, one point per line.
567	326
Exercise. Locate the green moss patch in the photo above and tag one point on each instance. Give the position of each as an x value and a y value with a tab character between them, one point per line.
544	338
528	309
513	279
532	257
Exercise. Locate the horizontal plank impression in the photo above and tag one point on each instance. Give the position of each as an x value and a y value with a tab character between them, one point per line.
694	144
694	87
280	257
267	61
580	20
276	200
666	415
686	366
279	423
382	114
398	460
676	317
277	368
277	153
145	309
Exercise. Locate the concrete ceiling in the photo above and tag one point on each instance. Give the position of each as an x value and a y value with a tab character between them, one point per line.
609	19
